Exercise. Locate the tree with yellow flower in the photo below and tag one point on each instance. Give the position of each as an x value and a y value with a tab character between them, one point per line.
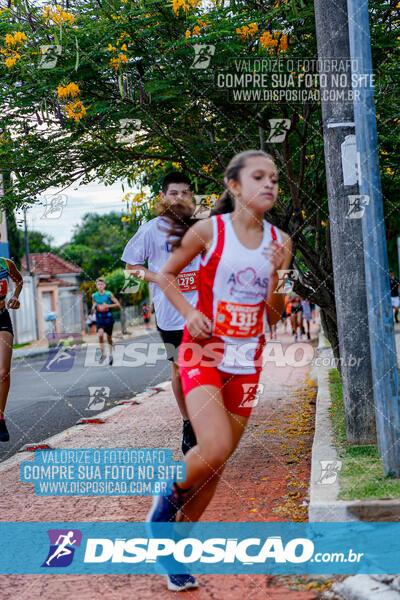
132	67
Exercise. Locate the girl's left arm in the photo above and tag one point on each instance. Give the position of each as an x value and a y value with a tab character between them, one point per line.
18	283
280	257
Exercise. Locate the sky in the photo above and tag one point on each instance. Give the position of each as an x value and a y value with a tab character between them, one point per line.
71	205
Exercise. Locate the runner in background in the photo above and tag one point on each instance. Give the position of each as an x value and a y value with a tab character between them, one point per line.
296	316
305	305
286	313
151	243
394	293
103	302
146	316
8	270
241	254
313	311
272	331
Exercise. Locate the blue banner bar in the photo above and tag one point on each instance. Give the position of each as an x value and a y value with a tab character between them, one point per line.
220	548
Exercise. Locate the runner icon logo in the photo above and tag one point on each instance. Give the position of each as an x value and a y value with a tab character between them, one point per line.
286	277
203	54
61	551
61	357
98	397
279	129
329	471
251	394
357	206
54	206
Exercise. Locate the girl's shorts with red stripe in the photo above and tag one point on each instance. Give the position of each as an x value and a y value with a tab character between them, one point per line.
240	393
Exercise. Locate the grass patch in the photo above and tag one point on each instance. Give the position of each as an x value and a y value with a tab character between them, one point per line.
15	346
362	471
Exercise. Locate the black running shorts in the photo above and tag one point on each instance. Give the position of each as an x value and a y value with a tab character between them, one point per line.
106	323
172	339
5	321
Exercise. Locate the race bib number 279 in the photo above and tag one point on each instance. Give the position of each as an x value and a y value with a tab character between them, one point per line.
188	281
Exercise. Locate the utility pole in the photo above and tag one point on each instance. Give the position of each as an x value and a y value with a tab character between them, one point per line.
383	349
398	255
345	229
26	243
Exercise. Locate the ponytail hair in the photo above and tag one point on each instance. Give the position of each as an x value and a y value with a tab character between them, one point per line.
181	217
224	204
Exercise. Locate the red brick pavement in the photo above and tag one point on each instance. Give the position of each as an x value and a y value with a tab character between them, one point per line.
265	480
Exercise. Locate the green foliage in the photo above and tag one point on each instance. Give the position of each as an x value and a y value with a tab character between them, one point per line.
362	473
97	244
115	282
186	121
38	241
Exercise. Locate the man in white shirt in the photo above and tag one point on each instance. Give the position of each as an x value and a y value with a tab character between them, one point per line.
150	243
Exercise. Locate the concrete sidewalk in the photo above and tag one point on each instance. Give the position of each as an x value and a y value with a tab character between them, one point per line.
265	480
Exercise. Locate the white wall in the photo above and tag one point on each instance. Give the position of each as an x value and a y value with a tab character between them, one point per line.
24	319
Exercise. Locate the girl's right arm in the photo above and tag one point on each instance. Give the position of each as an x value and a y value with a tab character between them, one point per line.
195	241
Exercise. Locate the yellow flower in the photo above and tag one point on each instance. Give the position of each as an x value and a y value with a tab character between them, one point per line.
57	15
76	110
184	4
19	37
124	47
247	31
69	91
187	33
196	30
10	61
276	40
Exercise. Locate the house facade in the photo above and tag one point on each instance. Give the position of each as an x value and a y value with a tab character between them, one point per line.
59	303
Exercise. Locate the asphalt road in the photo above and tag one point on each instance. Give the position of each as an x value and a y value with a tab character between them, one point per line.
47	399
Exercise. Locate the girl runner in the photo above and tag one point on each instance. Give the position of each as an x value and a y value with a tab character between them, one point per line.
240	256
103	301
7	270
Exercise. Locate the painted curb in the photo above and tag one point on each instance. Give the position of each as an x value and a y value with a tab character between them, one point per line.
22	455
324	504
363	587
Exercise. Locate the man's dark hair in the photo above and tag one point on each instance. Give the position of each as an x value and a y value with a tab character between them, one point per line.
174	177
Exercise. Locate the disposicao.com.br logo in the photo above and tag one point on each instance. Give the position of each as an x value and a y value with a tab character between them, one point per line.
213	550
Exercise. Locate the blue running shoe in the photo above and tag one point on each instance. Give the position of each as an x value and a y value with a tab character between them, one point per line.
180	583
164	508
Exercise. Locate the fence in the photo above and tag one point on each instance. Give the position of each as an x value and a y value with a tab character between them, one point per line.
24	319
70	312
